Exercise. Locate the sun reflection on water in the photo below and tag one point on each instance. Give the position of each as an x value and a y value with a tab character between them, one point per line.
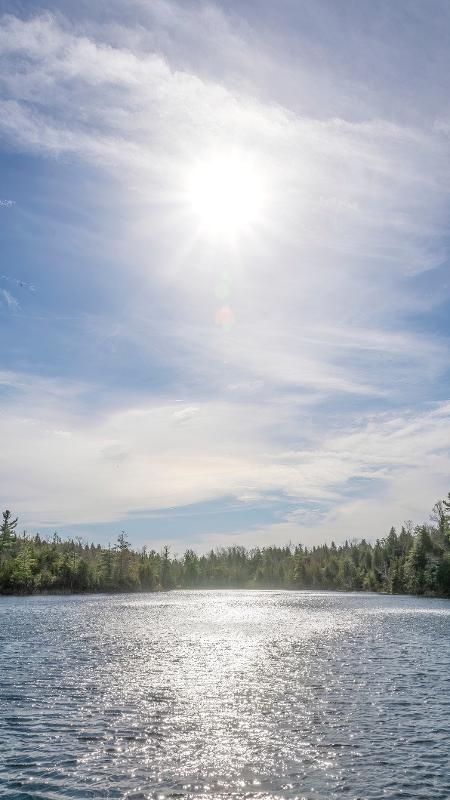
221	695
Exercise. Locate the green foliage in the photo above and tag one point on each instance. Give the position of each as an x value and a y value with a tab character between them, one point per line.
416	560
7	534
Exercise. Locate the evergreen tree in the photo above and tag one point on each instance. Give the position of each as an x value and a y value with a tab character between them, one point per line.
416	560
166	572
7	532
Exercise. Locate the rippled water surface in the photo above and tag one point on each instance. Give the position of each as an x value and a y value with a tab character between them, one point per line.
225	695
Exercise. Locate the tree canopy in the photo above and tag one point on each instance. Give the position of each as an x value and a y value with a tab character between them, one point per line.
414	560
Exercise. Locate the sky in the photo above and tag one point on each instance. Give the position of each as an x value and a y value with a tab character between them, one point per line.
224	290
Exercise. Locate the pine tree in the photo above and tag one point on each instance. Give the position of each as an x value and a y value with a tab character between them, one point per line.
122	548
166	577
7	534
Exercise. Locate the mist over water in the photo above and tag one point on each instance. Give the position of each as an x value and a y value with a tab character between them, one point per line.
216	694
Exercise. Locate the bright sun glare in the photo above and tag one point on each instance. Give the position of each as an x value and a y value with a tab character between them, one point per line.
226	194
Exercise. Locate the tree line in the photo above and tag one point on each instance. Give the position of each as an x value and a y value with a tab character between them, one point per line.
414	560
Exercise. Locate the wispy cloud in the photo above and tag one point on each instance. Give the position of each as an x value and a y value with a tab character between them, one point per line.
141	459
8	299
17	282
325	386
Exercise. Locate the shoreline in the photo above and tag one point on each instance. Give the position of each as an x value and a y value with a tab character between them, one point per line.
318	590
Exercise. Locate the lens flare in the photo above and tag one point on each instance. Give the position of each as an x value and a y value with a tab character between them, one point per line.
224	317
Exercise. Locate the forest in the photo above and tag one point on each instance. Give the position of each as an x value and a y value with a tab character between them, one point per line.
413	560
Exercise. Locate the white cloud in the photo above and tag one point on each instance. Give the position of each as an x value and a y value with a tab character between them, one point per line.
59	469
8	299
185	414
320	292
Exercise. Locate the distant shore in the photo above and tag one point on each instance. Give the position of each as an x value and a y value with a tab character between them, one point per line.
294	590
414	561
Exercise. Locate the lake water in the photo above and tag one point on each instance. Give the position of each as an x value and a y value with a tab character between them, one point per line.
225	695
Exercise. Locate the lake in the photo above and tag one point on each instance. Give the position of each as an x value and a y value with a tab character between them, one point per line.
216	694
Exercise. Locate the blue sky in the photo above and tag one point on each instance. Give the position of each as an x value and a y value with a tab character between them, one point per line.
261	361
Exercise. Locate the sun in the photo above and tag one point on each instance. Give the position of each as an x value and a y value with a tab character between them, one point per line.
226	194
